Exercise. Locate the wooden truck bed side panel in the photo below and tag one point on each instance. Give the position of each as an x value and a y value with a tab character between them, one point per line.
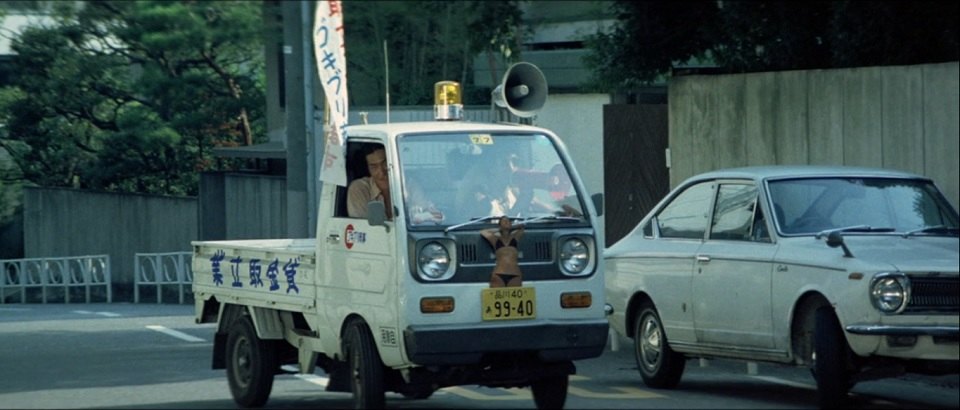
275	273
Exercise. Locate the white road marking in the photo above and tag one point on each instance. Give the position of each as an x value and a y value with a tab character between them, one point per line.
778	380
507	394
323	380
175	333
5	309
312	378
107	314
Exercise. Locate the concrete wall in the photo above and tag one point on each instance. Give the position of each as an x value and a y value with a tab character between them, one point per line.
899	117
578	120
67	222
242	206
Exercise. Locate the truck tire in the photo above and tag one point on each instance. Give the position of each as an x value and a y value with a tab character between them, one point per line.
366	369
550	392
251	363
831	359
659	365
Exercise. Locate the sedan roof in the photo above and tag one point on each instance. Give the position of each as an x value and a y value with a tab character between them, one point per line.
799	171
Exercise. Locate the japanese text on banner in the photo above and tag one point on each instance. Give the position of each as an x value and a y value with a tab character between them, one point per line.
332	69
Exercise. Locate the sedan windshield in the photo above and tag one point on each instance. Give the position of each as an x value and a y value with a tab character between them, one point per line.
451	179
811	205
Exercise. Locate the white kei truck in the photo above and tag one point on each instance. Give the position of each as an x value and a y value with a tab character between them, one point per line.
404	304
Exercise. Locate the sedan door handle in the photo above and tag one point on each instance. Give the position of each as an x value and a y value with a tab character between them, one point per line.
703	258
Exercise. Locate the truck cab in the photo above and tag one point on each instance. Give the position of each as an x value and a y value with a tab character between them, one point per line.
418	279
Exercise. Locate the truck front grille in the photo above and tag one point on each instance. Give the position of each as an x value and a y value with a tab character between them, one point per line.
468	253
934	294
542	251
539	252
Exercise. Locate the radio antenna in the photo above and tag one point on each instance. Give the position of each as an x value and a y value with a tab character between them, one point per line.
386	69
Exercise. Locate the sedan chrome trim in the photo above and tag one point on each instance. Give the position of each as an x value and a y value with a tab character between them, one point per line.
888	330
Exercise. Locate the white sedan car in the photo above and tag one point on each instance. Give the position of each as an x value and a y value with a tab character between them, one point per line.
850	271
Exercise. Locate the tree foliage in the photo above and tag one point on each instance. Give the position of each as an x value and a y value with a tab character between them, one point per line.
426	42
131	96
652	37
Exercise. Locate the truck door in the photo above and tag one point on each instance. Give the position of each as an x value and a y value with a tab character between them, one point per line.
357	259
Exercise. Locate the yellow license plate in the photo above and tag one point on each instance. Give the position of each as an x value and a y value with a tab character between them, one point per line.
508	303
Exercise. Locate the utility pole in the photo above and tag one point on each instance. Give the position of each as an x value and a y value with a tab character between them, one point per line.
294	57
304	129
312	134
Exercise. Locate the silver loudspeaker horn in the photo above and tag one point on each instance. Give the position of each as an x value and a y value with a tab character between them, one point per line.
523	90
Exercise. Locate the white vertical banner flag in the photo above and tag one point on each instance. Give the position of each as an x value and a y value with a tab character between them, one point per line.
332	68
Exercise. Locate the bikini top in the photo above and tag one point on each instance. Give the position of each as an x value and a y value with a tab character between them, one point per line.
513	243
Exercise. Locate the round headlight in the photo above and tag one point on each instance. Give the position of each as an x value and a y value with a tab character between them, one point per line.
574	256
889	293
434	261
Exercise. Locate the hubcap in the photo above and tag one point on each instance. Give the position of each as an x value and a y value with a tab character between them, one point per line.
243	362
650	343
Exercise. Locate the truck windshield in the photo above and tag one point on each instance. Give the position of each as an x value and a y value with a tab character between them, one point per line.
448	179
810	205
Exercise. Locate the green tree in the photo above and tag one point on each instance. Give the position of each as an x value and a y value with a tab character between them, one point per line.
426	42
131	96
652	37
649	38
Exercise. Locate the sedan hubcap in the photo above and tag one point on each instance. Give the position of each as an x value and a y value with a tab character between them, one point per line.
650	343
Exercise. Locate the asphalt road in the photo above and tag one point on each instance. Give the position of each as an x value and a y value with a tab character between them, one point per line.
154	356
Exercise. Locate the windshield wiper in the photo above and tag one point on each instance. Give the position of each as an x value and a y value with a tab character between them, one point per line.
547	218
518	222
472	222
933	229
854	228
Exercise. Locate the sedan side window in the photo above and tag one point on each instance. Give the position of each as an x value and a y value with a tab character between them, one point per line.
686	215
734	211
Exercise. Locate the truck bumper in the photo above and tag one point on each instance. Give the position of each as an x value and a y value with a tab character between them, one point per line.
551	341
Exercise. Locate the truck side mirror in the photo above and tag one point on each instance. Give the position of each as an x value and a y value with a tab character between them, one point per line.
376	213
598	203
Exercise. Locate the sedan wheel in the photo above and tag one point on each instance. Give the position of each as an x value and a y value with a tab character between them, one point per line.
831	360
659	365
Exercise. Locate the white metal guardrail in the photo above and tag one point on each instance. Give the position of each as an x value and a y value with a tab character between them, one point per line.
53	275
161	270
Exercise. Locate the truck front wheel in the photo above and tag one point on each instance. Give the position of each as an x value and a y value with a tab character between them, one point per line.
550	392
366	369
250	363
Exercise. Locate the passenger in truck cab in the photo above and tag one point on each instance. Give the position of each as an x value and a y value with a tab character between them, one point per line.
421	209
374	187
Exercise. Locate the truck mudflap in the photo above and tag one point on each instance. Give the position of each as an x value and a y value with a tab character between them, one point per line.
551	342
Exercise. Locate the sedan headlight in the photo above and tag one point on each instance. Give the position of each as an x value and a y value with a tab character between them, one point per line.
574	256
890	292
434	261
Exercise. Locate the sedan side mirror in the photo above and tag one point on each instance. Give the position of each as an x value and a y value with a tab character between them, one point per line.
835	239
